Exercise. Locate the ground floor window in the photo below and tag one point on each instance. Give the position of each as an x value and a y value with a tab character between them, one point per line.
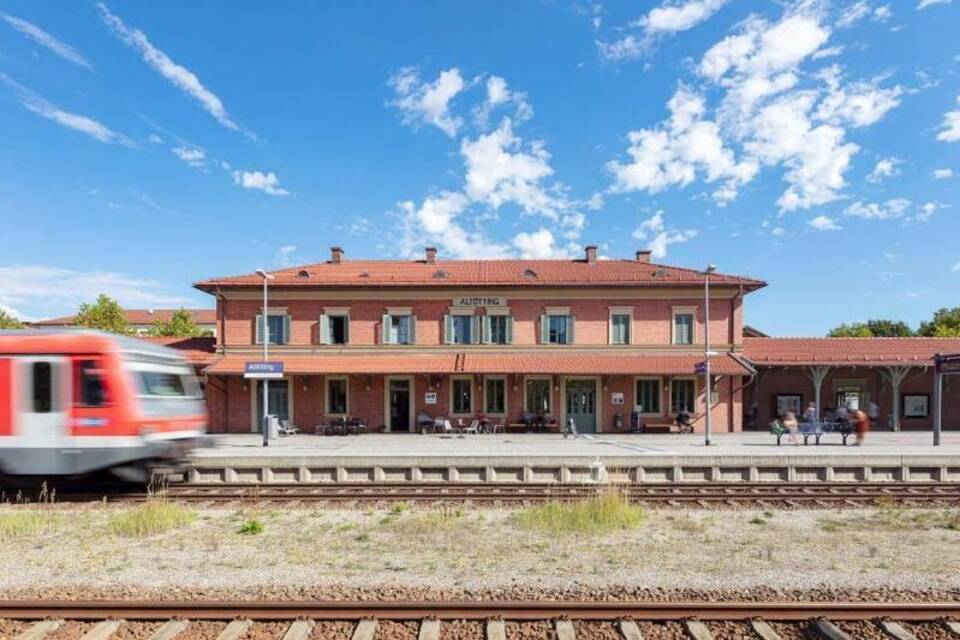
683	396
337	396
462	392
648	395
495	396
792	402
278	401
538	395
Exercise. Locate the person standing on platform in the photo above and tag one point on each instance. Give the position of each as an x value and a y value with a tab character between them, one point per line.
861	423
790	424
810	415
873	412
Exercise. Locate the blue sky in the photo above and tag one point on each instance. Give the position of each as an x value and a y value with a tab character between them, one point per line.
816	145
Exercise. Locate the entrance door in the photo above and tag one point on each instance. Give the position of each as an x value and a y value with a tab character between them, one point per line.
582	404
399	391
42	404
278	401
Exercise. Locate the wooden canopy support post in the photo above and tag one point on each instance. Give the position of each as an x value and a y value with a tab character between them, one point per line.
895	376
817	376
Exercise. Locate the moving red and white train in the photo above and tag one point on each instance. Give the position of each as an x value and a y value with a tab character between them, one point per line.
72	402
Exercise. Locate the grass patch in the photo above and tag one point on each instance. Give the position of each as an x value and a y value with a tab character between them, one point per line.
27	523
156	515
611	511
251	527
690	524
427	522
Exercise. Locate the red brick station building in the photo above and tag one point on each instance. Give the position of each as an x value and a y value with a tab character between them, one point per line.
607	342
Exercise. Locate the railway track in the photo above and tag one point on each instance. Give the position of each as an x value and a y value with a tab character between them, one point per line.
107	620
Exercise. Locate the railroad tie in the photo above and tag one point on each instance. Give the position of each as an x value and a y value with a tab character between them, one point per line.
828	630
897	630
103	630
629	630
565	630
235	630
429	630
496	630
365	630
698	630
764	630
40	629
170	629
299	630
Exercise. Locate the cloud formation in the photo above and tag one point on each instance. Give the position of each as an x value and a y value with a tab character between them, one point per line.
47	41
428	102
654	230
259	181
824	223
950	127
671	17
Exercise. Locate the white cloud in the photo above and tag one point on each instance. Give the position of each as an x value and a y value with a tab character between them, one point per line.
47	290
942	174
626	48
891	209
955	268
193	156
283	255
47	41
266	182
859	104
179	76
950	126
498	94
923	4
885	168
655	231
853	14
538	245
40	106
673	17
882	14
439	221
824	223
926	211
428	103
828	52
155	139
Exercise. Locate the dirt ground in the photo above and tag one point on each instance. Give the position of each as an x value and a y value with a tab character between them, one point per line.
474	549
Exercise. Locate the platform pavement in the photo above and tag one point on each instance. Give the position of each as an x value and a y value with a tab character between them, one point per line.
742	457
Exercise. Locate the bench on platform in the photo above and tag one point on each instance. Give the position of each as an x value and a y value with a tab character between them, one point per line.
658	427
814	430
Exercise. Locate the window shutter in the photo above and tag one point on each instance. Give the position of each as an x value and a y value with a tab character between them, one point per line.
385	337
572	322
346	330
258	330
544	329
474	330
509	329
447	329
285	338
484	329
413	329
324	329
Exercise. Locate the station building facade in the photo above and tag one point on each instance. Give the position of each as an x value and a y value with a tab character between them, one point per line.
389	341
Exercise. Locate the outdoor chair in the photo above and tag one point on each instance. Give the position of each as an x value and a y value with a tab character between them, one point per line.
474	427
287	429
498	426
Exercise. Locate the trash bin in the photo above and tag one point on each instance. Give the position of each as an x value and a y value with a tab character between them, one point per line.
273	427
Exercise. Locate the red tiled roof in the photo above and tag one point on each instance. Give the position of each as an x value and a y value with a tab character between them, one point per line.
140	316
547	363
197	351
459	273
846	351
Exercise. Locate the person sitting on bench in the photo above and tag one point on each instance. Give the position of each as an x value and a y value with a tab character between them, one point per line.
683	421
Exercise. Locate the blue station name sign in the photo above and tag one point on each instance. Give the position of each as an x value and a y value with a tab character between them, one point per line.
263	370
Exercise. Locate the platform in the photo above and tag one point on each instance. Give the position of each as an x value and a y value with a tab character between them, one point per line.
741	457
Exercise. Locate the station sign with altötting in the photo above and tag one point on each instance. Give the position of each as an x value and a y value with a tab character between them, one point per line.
263	370
479	301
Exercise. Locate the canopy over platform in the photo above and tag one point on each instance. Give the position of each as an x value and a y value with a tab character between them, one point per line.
847	352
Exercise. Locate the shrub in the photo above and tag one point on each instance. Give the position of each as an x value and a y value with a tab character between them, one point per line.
608	512
154	516
251	527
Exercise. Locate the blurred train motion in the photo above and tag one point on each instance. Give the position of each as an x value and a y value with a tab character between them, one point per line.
73	402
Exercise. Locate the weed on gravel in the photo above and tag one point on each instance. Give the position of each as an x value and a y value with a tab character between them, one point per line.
157	515
609	512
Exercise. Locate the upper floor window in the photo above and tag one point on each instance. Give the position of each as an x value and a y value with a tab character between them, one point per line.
460	329
683	327
556	328
399	328
278	328
335	327
498	329
619	328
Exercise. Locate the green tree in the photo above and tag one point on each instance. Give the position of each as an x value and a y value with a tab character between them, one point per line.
105	314
945	324
873	329
181	325
7	321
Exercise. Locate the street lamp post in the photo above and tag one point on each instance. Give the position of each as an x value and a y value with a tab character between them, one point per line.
265	338
706	351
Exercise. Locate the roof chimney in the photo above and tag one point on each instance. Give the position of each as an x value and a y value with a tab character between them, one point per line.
431	255
591	254
643	256
336	255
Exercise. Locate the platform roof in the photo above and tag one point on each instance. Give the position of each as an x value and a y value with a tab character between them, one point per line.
487	363
771	352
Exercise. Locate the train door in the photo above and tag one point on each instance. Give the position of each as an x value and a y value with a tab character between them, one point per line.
41	413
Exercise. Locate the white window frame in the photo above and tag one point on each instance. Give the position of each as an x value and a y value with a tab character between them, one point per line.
329	312
620	311
326	395
696	393
273	312
393	312
254	398
473	394
485	325
506	398
636	396
549	380
475	320
679	311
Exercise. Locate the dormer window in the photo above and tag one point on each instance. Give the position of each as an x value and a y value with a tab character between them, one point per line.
440	274
529	273
303	273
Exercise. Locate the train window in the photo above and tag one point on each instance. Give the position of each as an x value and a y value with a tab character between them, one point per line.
89	383
168	384
42	387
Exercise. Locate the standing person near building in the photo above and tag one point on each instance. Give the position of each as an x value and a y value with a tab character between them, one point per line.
843	415
873	412
790	424
571	428
861	423
810	414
